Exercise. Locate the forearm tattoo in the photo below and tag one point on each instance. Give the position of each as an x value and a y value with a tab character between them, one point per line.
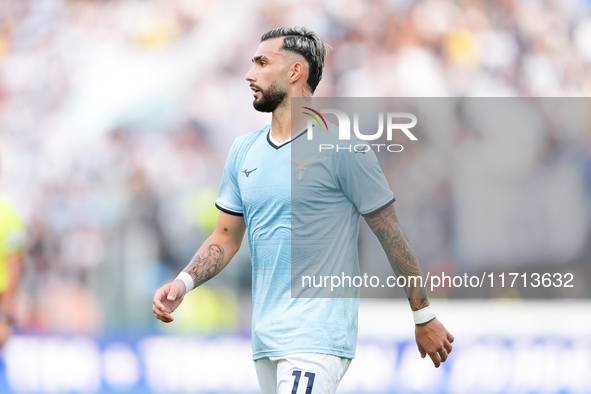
400	254
206	265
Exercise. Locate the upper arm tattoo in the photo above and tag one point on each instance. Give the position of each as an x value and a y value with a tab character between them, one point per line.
206	265
400	254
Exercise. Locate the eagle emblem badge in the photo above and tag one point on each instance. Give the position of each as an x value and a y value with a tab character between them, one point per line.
300	172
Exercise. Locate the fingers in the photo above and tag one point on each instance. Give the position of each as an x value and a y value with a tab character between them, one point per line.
167	299
172	293
442	355
448	347
436	359
421	350
158	297
159	308
162	315
435	341
450	337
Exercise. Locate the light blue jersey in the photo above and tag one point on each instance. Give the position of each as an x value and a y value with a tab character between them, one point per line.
329	191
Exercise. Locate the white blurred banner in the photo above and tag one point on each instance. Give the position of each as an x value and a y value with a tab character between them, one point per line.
500	347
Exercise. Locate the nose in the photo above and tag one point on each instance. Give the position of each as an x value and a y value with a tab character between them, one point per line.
250	75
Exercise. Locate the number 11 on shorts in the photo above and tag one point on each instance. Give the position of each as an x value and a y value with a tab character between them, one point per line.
296	381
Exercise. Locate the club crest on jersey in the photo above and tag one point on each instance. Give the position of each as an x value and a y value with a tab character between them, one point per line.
300	172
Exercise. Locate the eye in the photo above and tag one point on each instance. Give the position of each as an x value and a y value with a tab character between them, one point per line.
263	63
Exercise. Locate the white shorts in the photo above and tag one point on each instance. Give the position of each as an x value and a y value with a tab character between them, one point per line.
302	373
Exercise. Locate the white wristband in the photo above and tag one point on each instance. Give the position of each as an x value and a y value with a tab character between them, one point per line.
423	315
188	281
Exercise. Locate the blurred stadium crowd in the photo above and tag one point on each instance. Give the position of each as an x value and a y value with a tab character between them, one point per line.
116	118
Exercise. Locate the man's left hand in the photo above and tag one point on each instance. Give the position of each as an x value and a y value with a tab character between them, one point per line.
434	339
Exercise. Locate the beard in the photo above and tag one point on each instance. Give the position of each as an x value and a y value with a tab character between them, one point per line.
272	98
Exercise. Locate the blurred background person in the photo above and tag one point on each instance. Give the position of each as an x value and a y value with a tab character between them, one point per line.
12	257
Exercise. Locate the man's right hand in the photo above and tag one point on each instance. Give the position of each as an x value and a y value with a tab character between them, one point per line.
167	299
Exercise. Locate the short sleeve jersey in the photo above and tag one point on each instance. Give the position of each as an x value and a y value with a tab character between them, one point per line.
302	209
12	237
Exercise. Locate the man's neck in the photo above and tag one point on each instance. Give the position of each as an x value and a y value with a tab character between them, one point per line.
281	123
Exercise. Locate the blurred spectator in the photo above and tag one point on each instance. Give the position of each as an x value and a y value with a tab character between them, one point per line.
12	252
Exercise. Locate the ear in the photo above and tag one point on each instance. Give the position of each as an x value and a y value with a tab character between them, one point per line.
296	72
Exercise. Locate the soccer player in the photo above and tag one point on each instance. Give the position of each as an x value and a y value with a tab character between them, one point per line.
12	248
299	342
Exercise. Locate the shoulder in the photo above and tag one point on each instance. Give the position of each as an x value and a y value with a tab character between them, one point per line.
243	144
249	138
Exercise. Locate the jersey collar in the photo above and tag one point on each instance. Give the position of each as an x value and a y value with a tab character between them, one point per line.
278	145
